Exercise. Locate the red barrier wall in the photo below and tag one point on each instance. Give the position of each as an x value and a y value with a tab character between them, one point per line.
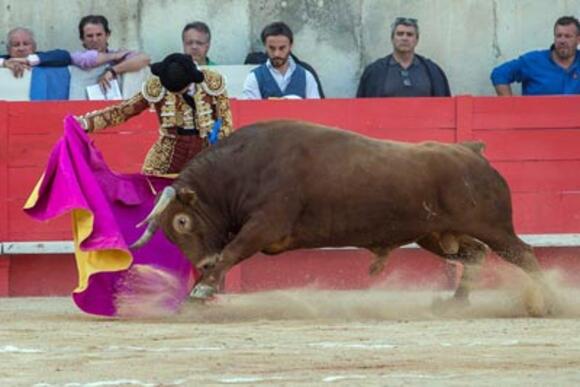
532	141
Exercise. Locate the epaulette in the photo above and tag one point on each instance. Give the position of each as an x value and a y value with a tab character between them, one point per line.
153	90
214	83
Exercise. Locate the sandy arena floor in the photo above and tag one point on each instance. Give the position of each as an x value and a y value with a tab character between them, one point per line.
305	337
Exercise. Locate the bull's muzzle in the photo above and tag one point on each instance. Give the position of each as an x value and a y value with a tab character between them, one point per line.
152	220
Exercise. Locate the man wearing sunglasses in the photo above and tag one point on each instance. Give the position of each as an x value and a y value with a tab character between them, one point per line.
403	73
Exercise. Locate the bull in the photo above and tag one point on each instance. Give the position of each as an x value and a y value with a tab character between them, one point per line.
282	185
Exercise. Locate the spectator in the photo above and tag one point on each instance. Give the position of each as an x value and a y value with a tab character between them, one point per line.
192	107
258	57
22	54
542	72
94	33
196	38
50	76
403	73
281	76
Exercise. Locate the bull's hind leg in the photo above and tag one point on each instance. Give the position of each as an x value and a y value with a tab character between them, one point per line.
381	255
470	252
539	298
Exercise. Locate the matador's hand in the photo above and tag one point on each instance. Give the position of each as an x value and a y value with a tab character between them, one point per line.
82	122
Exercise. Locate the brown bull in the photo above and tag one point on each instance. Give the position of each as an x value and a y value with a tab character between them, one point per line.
284	185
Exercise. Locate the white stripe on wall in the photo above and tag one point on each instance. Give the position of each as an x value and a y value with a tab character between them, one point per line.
67	247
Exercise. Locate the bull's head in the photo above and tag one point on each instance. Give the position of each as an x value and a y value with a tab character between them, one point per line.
175	214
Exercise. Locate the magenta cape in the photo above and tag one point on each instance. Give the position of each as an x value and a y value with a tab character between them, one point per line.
105	207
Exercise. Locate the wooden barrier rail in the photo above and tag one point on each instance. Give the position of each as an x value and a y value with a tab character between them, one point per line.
532	141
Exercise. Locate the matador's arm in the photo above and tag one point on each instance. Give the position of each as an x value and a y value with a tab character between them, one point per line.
114	115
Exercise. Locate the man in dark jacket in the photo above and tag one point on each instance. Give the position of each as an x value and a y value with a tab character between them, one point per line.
403	73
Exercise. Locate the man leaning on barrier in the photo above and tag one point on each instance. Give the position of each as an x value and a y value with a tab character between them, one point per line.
94	33
50	76
544	72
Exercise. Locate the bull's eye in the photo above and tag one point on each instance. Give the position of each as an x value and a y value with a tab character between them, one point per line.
182	223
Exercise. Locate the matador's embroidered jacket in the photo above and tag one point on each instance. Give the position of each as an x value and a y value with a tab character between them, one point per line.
176	117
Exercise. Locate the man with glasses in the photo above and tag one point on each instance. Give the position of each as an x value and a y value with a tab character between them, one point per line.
403	73
196	38
544	72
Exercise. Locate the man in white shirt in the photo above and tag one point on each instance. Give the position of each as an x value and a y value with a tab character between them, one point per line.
22	54
280	76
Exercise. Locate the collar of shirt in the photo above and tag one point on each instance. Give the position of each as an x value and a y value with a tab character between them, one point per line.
283	80
393	61
275	71
573	66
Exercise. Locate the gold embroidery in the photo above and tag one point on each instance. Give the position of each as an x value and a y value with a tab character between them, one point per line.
167	113
175	111
224	112
204	117
159	157
187	115
153	90
113	115
213	84
211	103
99	123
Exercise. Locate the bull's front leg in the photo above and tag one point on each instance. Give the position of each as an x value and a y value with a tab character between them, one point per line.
212	275
253	237
211	278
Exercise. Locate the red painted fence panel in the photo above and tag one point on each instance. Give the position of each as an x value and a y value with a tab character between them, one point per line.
533	141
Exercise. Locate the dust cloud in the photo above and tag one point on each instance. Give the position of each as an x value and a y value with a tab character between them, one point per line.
509	300
150	293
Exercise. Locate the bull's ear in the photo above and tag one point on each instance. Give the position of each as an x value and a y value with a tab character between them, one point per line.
187	195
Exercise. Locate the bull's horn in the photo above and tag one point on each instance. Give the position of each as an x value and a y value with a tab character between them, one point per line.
152	221
147	235
166	197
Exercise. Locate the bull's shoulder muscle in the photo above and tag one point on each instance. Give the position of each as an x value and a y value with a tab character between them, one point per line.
476	146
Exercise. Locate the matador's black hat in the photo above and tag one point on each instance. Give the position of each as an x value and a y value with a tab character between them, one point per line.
177	71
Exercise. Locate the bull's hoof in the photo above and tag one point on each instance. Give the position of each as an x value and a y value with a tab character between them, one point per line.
535	306
202	292
376	268
540	301
450	305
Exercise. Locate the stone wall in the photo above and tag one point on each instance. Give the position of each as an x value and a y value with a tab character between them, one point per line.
338	37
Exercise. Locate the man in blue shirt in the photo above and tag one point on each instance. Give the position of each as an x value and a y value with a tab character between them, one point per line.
543	72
